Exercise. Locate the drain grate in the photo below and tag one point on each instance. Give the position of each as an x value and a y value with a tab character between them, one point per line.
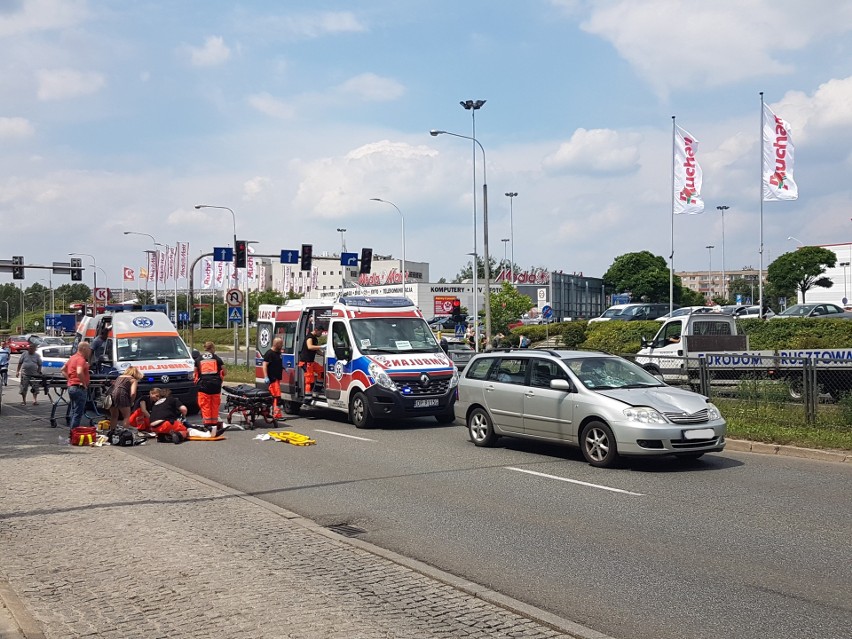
347	530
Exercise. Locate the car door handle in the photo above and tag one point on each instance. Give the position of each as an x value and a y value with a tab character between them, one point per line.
529	394
489	388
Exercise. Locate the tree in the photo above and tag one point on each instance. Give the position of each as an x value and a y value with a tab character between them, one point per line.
802	269
467	272
507	306
644	275
72	293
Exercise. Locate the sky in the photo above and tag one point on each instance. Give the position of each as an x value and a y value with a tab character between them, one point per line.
122	116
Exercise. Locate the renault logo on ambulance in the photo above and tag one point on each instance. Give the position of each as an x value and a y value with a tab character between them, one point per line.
424	380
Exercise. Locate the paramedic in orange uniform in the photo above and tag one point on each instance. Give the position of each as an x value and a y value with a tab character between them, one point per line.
307	363
209	373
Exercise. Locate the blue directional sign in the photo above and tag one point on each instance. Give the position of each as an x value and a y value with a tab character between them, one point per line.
235	314
289	256
349	259
223	254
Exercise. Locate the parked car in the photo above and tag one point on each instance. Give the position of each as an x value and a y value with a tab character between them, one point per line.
459	351
753	312
445	323
604	404
17	344
609	313
822	311
53	357
637	312
689	310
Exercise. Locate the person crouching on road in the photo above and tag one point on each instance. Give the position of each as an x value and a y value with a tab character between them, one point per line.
307	357
209	373
165	414
273	371
123	393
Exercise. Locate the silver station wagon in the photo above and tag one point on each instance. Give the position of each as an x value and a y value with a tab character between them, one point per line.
602	403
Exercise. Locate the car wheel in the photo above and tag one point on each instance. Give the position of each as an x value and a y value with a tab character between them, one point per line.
447	417
796	388
598	445
481	428
292	408
359	411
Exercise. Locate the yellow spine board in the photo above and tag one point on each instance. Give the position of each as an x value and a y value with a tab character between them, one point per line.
290	437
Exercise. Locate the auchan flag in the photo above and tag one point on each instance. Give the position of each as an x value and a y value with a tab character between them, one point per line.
687	174
129	275
778	182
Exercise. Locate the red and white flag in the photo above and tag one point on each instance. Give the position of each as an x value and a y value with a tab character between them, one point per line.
219	275
172	260
687	174
129	274
152	266
143	273
778	182
207	273
183	259
162	267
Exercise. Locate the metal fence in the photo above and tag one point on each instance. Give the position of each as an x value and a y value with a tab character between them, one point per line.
766	388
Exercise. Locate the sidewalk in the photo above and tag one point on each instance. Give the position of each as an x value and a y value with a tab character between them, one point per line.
99	543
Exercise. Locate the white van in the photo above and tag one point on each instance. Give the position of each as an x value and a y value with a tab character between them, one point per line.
149	341
609	313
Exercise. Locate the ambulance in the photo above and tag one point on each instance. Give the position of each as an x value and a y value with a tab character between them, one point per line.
380	358
149	341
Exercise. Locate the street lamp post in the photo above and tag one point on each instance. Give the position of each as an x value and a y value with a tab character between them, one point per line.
795	239
487	267
505	241
402	218
154	261
512	196
245	297
722	209
710	248
845	291
94	280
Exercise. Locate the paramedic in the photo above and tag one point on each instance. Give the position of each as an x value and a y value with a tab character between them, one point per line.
306	362
209	373
273	371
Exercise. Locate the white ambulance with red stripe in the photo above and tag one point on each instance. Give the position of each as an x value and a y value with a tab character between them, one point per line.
149	341
380	358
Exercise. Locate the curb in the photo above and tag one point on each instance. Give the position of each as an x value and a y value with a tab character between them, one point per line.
746	446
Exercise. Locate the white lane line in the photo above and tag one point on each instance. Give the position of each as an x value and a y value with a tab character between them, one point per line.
331	432
573	481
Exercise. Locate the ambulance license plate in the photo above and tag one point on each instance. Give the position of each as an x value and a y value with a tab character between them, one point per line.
425	403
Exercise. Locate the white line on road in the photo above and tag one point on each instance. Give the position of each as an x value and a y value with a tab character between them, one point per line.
574	481
331	432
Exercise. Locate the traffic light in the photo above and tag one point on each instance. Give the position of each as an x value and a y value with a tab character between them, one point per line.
307	256
196	316
18	267
240	254
457	314
366	261
76	269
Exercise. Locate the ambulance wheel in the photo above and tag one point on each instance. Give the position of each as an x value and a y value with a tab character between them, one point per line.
359	411
292	408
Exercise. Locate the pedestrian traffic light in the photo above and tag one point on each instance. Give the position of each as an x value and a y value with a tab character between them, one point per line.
457	314
196	316
366	261
18	267
307	256
240	254
76	269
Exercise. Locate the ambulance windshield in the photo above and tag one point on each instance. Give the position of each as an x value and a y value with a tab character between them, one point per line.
394	335
131	349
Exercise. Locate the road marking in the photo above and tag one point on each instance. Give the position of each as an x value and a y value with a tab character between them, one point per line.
331	432
574	481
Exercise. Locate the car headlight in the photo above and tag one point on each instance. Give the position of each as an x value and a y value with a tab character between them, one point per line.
644	415
381	377
454	380
713	412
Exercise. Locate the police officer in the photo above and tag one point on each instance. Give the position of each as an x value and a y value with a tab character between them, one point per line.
307	362
209	373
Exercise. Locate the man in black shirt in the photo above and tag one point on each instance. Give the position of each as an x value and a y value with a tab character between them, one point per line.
273	371
313	371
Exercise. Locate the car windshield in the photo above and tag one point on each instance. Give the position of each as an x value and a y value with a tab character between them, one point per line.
611	312
394	335
605	373
132	349
798	310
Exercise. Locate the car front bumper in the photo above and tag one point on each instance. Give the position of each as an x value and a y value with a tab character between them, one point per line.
669	439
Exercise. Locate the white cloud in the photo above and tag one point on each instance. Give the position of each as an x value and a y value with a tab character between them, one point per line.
41	15
273	107
213	53
62	84
15	128
668	41
827	110
373	88
600	151
254	187
305	26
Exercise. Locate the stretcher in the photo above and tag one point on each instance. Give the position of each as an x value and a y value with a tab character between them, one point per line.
56	388
250	403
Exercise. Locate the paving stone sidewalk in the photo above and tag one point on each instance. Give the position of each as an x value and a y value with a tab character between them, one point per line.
95	542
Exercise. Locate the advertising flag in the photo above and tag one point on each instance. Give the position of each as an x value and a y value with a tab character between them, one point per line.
161	267
183	259
778	182
687	174
143	273
152	265
220	275
129	274
207	273
172	259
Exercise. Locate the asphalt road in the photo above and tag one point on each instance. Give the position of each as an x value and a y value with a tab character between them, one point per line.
733	545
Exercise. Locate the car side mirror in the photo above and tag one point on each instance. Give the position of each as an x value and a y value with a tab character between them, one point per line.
644	342
561	384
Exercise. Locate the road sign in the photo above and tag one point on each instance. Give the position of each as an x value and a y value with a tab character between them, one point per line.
349	259
235	315
547	312
234	297
102	294
223	254
289	256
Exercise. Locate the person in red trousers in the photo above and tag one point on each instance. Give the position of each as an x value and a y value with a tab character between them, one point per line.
209	373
